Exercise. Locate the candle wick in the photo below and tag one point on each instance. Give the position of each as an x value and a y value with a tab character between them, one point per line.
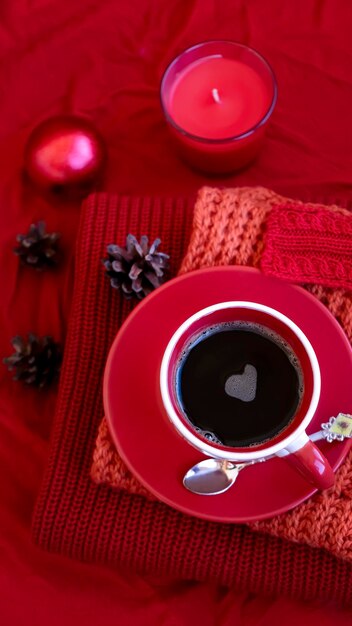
216	97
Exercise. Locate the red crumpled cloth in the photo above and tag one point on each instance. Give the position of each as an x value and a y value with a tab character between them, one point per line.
104	60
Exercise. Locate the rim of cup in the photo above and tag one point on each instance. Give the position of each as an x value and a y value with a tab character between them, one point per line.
198	442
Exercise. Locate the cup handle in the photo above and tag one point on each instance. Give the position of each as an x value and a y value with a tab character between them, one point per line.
304	455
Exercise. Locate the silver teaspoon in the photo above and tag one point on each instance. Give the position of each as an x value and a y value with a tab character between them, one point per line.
212	476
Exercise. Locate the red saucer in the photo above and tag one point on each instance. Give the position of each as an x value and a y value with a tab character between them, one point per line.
146	440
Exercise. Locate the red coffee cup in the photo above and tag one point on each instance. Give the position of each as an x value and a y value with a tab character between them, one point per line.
292	442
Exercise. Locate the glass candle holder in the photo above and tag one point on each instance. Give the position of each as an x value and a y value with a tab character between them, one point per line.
218	97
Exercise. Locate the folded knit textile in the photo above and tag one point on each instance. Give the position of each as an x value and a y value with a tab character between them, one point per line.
76	517
302	243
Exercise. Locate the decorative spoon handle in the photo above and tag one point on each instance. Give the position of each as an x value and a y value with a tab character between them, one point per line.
337	428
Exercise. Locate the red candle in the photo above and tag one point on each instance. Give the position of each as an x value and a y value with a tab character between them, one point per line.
218	97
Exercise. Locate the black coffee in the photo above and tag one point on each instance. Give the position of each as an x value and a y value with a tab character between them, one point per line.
239	384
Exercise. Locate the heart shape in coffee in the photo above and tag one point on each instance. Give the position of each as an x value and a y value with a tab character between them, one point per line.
243	386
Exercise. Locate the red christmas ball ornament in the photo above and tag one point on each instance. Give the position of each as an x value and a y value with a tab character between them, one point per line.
65	154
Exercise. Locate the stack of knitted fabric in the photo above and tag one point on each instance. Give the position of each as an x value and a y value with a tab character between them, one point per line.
117	521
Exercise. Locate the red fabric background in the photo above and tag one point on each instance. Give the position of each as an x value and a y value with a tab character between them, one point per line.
104	60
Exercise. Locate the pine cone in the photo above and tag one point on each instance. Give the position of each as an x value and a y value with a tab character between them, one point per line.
136	269
36	361
37	248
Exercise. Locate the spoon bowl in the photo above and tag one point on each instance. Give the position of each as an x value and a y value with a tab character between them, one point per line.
211	477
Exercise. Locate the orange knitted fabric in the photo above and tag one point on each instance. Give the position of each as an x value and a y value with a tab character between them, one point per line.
229	228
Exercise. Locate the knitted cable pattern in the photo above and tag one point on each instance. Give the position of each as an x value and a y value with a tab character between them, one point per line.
304	243
310	246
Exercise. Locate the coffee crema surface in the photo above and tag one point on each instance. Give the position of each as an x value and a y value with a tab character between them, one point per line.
238	384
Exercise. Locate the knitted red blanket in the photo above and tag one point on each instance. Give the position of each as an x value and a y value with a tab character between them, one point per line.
76	517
